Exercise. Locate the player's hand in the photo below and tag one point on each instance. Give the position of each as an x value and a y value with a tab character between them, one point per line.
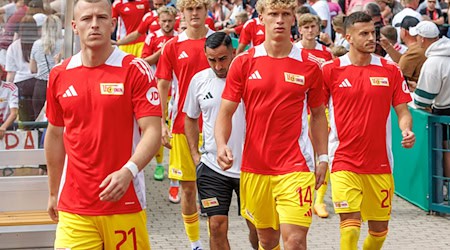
2	133
52	209
224	157
409	138
321	170
166	135
116	185
196	158
113	42
325	38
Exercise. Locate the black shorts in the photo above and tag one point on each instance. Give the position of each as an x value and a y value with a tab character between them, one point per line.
215	191
445	127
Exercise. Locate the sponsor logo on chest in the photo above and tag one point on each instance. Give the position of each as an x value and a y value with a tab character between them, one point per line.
294	78
111	88
379	81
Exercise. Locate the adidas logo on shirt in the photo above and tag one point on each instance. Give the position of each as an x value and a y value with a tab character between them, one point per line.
126	9
345	84
183	55
309	213
208	96
260	32
160	45
255	76
70	92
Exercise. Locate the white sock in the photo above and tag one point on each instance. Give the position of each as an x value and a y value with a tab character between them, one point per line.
197	245
174	183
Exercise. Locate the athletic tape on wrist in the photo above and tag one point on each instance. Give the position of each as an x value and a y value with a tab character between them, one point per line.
132	167
323	158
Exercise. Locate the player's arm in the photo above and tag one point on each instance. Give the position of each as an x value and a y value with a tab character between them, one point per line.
405	125
153	59
129	38
118	182
55	155
192	133
241	47
9	121
222	131
319	138
163	88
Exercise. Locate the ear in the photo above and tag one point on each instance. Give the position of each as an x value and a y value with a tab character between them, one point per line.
348	37
74	27
113	24
260	16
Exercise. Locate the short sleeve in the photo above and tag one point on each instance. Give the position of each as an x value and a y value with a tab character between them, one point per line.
147	50
192	104
34	50
10	60
235	82
13	101
246	36
144	94
54	110
114	9
401	91
326	76
165	63
144	25
315	92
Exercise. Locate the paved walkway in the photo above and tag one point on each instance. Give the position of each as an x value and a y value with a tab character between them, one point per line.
410	228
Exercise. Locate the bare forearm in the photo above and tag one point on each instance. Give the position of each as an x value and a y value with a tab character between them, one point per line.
163	88
55	155
319	131
192	132
11	118
394	54
240	48
153	59
150	141
129	38
405	121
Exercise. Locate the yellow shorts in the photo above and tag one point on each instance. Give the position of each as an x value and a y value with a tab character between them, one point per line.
121	231
268	200
370	194
134	49
181	165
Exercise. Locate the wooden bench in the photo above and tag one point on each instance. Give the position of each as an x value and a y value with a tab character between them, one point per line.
24	222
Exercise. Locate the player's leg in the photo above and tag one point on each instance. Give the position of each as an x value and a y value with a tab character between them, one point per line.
182	168
124	231
376	208
252	234
159	170
319	205
294	194
77	232
215	192
346	189
258	207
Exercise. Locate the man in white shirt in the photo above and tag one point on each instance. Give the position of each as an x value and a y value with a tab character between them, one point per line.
215	185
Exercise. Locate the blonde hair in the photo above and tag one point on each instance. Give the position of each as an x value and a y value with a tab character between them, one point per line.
338	21
262	5
243	16
338	51
51	33
168	10
308	18
182	4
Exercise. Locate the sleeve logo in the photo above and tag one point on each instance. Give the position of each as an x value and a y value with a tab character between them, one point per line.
111	88
153	96
293	78
379	81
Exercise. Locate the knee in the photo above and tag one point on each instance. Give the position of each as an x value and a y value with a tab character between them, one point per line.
188	190
217	228
268	242
295	241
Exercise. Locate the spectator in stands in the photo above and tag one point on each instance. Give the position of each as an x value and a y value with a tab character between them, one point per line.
431	13
241	18
394	50
237	7
433	87
410	7
386	12
323	11
7	10
375	12
338	26
9	105
18	66
411	62
104	116
338	51
220	12
42	57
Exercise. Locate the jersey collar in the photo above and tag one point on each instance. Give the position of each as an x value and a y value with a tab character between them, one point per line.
295	53
345	60
115	59
183	36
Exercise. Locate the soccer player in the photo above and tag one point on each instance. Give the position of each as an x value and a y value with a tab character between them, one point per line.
183	56
278	171
129	14
361	88
309	28
97	190
215	186
252	33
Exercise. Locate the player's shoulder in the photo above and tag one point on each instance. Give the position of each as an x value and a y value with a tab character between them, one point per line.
9	86
249	23
334	63
148	16
116	3
203	76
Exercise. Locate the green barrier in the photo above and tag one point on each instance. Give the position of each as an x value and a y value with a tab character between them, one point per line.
411	166
235	43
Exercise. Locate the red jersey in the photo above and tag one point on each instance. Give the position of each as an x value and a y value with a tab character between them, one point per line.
253	32
155	42
360	100
99	108
185	58
129	15
319	54
149	23
238	29
276	93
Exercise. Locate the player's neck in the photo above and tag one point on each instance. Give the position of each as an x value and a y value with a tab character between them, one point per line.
170	33
93	57
196	33
308	44
359	59
278	49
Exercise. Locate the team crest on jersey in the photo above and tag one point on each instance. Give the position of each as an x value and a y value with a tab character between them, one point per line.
379	81
177	172
341	204
111	88
140	6
293	78
210	202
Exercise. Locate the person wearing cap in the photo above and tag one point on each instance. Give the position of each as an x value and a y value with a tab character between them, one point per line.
433	87
409	10
411	62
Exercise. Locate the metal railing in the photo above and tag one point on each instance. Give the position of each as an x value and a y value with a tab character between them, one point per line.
439	146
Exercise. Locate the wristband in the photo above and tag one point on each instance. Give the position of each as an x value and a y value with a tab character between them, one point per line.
132	167
323	158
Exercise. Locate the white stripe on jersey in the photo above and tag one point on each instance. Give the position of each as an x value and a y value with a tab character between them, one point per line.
333	140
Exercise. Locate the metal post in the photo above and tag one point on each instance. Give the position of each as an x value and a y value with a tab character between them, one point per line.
68	33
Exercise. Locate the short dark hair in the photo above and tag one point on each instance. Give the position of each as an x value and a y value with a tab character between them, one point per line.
356	17
372	9
217	39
